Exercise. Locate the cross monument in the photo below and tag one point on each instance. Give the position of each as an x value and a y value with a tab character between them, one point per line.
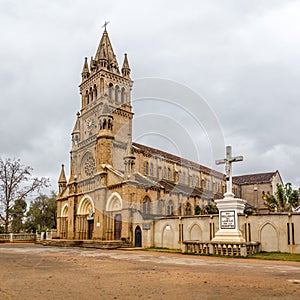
228	168
229	207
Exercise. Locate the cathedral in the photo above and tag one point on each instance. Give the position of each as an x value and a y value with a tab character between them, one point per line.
118	188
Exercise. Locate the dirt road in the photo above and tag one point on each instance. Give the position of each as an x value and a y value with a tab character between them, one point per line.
38	272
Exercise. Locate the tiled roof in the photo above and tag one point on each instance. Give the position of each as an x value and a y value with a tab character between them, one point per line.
253	178
145	181
179	188
176	159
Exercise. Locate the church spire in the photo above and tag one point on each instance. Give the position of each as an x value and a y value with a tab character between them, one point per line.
62	177
85	70
62	181
105	54
129	159
125	68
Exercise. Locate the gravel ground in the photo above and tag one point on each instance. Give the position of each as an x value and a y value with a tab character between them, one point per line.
30	271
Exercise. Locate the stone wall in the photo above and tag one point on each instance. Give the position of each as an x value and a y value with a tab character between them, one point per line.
275	232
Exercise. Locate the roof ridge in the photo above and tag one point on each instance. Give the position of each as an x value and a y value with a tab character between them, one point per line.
175	158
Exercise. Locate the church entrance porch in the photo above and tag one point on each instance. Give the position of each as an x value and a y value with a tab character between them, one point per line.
114	217
85	219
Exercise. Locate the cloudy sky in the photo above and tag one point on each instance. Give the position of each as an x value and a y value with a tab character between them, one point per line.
242	58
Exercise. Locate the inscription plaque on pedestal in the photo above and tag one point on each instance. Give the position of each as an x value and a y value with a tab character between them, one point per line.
228	219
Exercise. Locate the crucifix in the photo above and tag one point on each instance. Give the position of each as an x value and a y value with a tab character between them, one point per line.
228	168
105	24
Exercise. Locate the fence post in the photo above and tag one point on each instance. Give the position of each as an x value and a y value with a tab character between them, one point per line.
11	237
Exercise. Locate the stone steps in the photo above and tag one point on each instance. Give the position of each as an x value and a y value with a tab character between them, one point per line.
86	244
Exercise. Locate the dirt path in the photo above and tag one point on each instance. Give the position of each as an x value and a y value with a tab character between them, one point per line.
37	272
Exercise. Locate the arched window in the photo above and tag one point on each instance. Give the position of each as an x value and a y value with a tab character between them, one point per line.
95	92
160	207
147	168
208	184
110	90
169	174
188	209
87	97
151	169
170	208
147	206
101	86
182	177
123	95
164	173
117	90
91	94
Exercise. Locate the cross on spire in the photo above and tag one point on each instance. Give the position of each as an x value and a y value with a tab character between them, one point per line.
105	24
228	168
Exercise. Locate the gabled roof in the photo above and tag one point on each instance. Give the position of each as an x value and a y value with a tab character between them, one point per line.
254	178
176	159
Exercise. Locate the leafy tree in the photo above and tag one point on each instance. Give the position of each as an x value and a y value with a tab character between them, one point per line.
42	213
16	182
211	208
197	210
285	199
17	215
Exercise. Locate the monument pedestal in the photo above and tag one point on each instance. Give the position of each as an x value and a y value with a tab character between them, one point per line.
229	207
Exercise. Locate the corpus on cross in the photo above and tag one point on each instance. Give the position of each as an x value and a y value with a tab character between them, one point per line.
228	168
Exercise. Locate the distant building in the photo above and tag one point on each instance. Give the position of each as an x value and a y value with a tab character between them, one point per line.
252	187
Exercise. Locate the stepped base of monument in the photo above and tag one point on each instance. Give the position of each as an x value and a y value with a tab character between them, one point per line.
86	244
228	236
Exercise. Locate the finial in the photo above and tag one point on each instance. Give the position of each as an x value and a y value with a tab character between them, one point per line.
105	24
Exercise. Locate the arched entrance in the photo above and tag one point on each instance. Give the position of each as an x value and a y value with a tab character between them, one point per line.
114	217
85	219
64	222
138	237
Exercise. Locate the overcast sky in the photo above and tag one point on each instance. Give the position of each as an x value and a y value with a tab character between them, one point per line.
241	57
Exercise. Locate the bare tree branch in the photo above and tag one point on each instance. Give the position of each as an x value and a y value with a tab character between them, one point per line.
16	182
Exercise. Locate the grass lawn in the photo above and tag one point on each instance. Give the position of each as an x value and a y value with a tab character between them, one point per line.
262	255
276	256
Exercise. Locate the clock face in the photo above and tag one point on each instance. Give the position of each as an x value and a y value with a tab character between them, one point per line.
90	124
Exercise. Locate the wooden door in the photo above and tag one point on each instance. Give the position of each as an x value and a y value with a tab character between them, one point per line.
90	229
138	237
118	227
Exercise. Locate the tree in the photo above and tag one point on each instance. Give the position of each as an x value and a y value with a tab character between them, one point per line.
197	210
42	213
211	208
17	215
285	199
16	182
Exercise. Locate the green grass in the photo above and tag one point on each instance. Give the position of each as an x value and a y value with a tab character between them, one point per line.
262	255
276	256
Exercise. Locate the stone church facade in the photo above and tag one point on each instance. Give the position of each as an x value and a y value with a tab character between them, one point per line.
120	190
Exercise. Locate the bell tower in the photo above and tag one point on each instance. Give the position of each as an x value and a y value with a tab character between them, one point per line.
103	125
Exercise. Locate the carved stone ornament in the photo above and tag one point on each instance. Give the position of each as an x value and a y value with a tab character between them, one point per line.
88	165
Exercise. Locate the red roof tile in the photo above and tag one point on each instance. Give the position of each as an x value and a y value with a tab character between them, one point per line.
176	159
253	178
